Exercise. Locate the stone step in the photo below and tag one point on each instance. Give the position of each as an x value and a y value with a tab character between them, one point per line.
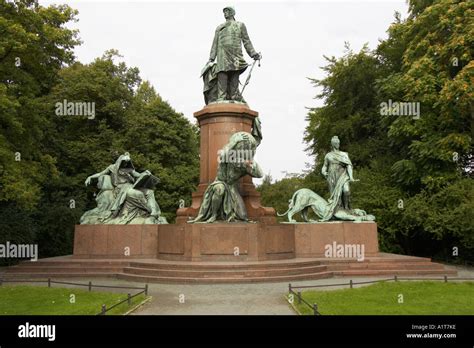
211	266
384	266
225	272
64	269
392	272
247	273
55	275
183	280
378	259
74	263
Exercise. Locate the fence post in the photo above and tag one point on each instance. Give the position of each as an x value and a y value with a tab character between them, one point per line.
49	282
289	288
445	278
104	309
395	278
299	297
129	299
350	283
146	289
315	309
1	281
90	286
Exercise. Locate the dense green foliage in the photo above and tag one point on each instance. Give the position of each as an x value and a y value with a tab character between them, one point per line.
416	172
419	298
45	157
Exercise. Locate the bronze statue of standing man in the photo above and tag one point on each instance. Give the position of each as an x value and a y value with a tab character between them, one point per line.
230	63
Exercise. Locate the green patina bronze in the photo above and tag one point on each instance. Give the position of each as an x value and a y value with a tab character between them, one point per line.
337	169
226	61
222	200
125	196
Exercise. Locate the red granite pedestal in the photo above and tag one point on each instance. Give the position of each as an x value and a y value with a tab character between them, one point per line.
221	241
217	123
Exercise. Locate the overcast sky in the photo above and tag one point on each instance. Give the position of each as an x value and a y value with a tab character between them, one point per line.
170	42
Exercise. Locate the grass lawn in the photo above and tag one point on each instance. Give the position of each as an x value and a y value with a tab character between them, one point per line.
423	298
39	300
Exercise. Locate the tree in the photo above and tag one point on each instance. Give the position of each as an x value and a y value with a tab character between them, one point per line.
351	109
436	70
34	45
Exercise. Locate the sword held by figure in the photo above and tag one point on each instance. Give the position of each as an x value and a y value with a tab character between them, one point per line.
250	72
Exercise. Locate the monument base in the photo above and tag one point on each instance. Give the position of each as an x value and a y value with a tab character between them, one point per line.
225	253
116	241
226	242
222	241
